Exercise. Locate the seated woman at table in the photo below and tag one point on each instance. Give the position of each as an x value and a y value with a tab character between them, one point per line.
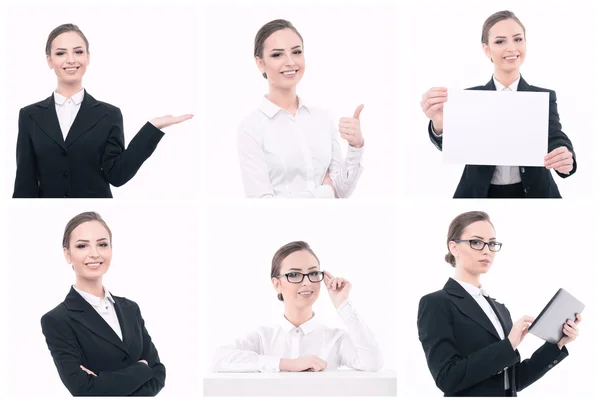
299	342
503	41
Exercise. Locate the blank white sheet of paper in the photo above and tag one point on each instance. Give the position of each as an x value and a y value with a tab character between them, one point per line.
500	128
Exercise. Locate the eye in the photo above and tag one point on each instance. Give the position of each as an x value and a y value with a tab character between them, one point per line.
80	246
298	51
519	39
275	55
315	274
103	244
79	52
60	53
292	275
499	41
476	242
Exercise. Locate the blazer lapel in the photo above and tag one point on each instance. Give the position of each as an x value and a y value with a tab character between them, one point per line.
88	116
523	85
82	312
490	86
46	118
502	314
127	320
468	306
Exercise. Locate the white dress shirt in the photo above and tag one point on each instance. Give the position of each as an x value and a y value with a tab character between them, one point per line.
286	155
479	295
105	307
263	349
506	174
66	110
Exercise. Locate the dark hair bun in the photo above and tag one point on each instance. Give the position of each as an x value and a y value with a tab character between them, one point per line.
450	259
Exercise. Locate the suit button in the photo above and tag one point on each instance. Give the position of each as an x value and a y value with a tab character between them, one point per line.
64	153
66	174
123	360
555	362
550	366
522	170
67	194
526	190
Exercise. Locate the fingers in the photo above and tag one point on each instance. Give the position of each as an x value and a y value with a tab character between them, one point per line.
555	152
88	371
435	92
528	319
550	159
357	112
578	318
570	331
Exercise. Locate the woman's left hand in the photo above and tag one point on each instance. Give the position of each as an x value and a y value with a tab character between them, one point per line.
338	288
350	129
570	330
561	160
166	121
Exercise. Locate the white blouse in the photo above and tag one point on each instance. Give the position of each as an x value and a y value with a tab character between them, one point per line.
263	349
282	155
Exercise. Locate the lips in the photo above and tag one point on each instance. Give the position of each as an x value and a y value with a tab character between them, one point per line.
511	57
71	70
289	73
306	293
485	261
94	265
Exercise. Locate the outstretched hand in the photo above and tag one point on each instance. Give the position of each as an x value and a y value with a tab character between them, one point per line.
169	120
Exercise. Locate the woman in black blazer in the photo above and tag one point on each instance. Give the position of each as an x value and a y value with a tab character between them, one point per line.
469	339
72	145
98	341
503	41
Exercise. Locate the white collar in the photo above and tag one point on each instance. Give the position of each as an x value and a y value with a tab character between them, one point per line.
512	87
95	300
308	327
271	109
77	98
473	290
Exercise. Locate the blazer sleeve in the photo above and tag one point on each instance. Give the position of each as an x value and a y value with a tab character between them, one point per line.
437	140
26	180
541	361
556	138
149	353
67	357
120	164
451	370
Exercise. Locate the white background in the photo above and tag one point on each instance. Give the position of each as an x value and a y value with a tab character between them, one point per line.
350	60
144	60
546	246
155	263
441	46
349	244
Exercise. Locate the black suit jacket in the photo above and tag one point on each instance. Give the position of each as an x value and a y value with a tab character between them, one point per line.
537	181
77	335
87	161
464	352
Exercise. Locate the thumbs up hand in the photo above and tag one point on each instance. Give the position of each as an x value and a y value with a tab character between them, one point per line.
350	129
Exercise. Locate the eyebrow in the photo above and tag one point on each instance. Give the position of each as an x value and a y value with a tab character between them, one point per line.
504	37
87	241
281	50
76	47
479	237
298	269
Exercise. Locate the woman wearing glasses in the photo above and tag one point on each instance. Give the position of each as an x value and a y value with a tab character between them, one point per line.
72	145
288	148
299	342
98	341
503	41
469	339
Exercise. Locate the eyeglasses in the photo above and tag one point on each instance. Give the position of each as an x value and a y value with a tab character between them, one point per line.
475	244
298	277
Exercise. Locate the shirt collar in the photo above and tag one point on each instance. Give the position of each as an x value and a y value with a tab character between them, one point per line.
512	87
77	98
271	109
95	300
308	327
473	290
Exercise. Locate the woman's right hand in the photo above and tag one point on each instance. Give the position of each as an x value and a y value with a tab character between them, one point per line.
306	363
169	120
519	330
432	104
90	372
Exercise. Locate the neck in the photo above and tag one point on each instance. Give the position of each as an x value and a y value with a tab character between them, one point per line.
506	77
464	276
68	90
93	287
284	98
298	316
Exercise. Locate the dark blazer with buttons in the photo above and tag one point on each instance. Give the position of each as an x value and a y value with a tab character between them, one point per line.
464	352
77	335
87	161
537	181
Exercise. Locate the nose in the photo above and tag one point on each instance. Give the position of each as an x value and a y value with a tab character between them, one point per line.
93	252
288	60
305	278
70	58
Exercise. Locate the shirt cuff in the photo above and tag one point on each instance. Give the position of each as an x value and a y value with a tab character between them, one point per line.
268	364
346	311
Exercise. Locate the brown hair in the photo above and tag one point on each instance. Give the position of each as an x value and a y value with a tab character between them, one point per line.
61	30
494	19
283	252
267	30
78	220
457	227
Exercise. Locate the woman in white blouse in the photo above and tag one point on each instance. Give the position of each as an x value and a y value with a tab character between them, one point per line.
299	342
286	147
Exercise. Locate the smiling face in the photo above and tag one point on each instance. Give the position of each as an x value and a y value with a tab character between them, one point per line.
89	251
68	58
299	295
474	262
282	59
506	46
